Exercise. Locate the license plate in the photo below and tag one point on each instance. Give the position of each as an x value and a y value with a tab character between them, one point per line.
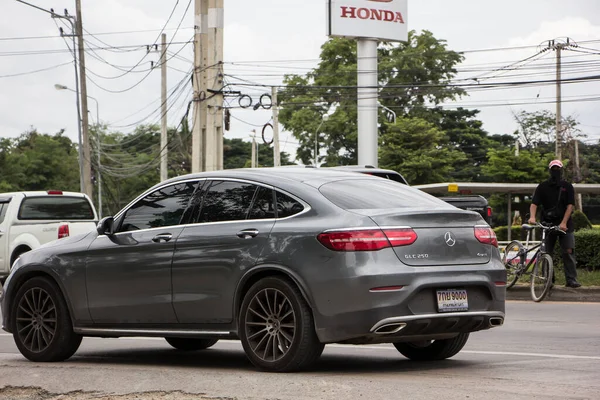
452	300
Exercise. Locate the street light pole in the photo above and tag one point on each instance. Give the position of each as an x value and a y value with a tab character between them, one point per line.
63	87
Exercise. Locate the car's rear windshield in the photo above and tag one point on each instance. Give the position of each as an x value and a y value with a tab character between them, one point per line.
56	208
359	194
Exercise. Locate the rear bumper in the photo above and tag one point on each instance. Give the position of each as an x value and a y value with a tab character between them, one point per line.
347	310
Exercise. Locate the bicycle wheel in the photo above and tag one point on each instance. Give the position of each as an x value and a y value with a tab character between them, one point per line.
512	262
541	277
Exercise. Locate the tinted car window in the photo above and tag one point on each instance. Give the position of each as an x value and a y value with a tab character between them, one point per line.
227	201
287	206
164	207
263	205
56	208
376	194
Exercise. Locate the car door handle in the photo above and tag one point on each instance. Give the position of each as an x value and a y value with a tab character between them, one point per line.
248	233
162	237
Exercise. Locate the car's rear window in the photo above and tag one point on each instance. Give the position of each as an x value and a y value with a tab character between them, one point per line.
56	208
362	194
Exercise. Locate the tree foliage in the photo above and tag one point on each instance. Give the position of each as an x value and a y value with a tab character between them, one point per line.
418	149
412	76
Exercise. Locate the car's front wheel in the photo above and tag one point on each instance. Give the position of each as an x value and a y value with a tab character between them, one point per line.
41	323
190	344
276	327
431	350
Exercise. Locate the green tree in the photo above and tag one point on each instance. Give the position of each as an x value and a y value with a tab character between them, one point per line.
412	76
35	161
419	150
527	167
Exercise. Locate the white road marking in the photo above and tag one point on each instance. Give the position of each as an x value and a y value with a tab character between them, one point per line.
387	348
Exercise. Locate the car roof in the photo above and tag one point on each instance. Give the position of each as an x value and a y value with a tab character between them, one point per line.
273	174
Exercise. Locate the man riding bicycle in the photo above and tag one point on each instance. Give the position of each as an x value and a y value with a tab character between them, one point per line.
557	198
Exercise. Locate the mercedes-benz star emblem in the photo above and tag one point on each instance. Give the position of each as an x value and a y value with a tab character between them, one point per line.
449	238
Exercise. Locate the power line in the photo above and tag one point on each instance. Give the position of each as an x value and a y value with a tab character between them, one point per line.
36	71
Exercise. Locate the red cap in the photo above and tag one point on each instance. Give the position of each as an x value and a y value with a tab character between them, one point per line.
555	163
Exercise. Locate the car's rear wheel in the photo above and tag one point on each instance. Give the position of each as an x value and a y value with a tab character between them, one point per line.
41	323
190	344
432	350
276	327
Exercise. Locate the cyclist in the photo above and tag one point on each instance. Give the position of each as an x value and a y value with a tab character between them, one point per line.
557	198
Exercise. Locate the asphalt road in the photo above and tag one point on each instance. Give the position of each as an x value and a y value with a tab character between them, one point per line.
544	351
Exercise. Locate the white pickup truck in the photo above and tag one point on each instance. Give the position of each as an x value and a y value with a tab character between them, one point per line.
31	219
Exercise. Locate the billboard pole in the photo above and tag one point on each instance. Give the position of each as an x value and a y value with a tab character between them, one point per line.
368	22
367	102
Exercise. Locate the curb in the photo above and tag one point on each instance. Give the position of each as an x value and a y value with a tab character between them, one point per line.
589	294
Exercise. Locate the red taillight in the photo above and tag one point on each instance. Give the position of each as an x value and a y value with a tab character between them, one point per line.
367	240
400	236
54	192
63	231
489	212
486	235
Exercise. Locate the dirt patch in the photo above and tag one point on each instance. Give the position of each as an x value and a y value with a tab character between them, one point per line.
34	393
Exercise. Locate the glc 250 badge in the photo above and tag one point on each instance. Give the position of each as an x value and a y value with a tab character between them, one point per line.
415	256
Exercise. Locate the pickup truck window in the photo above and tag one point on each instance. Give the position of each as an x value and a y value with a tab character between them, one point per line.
3	207
56	208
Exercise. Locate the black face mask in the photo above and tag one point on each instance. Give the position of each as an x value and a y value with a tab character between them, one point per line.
555	175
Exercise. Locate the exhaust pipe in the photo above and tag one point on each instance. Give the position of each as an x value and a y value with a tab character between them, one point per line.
389	329
496	321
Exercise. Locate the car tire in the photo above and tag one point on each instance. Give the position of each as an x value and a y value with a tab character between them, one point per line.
41	323
190	344
276	327
432	350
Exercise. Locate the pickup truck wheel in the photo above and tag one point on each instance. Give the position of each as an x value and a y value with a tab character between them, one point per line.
18	254
41	323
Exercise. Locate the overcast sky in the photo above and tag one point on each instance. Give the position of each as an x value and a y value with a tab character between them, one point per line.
259	32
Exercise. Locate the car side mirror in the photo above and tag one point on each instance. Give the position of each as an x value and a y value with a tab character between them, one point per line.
105	226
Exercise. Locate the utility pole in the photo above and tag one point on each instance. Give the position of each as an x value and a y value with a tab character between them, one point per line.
200	47
163	94
558	103
214	60
578	197
85	137
559	47
275	107
253	155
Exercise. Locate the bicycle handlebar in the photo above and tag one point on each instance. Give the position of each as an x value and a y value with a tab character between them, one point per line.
547	228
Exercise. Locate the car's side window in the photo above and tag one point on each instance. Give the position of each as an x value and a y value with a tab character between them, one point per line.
163	207
287	206
226	201
263	206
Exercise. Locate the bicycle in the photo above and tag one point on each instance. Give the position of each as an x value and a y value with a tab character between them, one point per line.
515	262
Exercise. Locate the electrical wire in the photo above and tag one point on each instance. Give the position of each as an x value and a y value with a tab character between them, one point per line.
37	70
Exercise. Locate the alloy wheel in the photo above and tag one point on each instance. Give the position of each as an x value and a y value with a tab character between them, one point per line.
270	325
36	320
